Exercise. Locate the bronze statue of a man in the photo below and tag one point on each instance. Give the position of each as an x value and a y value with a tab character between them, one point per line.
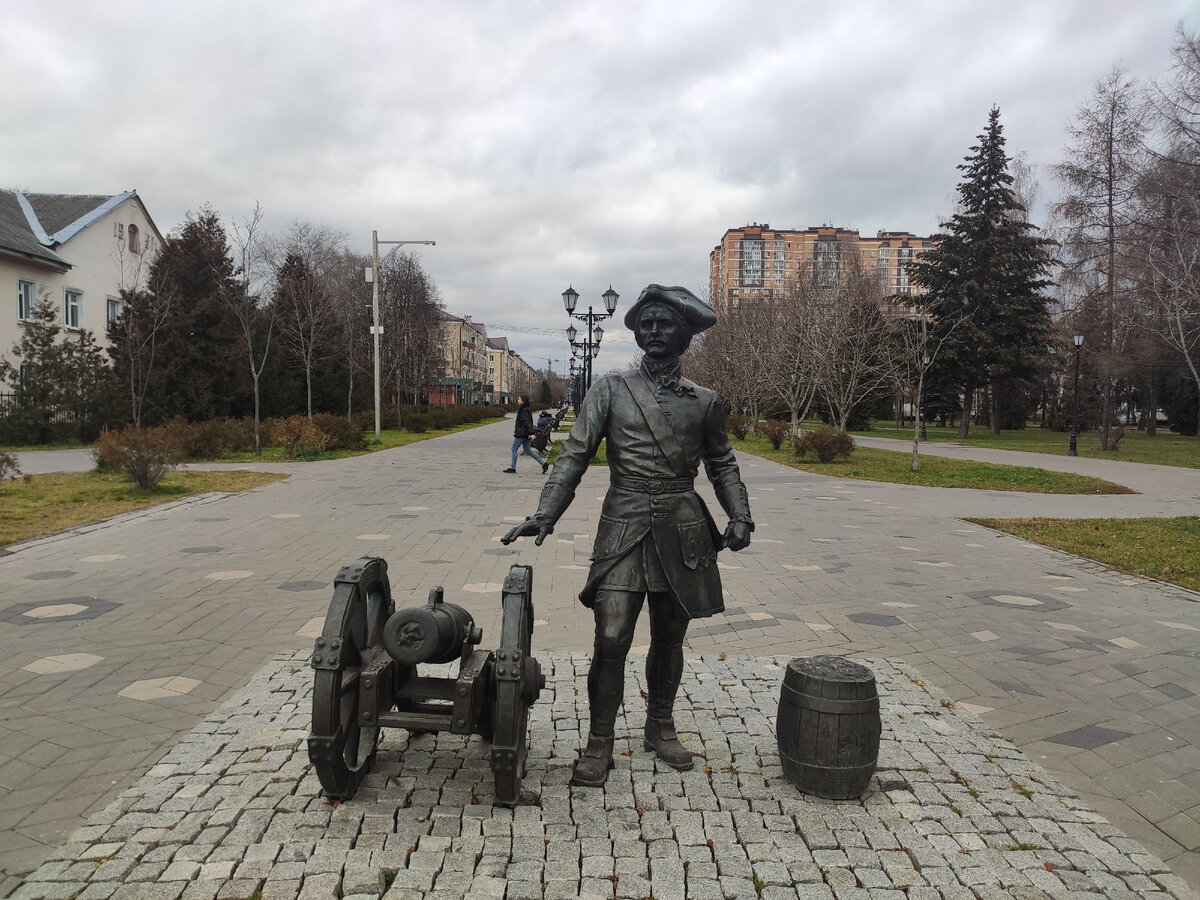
656	538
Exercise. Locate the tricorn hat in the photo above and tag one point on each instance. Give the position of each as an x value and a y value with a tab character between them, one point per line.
695	312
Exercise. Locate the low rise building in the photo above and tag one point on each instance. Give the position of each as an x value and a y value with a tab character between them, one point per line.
78	252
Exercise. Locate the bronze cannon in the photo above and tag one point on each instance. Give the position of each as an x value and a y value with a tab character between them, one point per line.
366	679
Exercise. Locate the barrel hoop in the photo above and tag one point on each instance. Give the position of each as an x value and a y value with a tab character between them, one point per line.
828	705
807	765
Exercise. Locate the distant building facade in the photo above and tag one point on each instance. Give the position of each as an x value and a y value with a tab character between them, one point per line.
758	262
75	251
508	374
478	369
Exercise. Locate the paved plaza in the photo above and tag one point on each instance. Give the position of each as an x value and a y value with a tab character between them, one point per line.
123	637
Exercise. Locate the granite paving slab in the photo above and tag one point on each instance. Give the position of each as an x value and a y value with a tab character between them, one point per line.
954	810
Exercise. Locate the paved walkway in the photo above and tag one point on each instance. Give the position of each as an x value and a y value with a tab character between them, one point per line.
40	462
120	637
953	811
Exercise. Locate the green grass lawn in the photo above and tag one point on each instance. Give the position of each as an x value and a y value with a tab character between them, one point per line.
1165	549
43	504
1164	449
893	466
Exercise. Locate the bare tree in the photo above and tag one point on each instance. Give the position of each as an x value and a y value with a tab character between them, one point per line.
920	347
411	345
788	344
147	298
853	346
1177	99
1174	259
246	302
352	299
304	260
133	337
733	357
1100	176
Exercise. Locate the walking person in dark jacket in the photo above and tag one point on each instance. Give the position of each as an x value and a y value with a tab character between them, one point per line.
523	432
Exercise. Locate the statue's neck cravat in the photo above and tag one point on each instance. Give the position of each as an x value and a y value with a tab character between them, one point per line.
666	376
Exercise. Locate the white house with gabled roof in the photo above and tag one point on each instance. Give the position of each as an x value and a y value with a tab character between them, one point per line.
78	251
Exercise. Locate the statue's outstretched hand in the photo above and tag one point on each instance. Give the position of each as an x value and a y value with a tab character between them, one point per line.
737	536
529	527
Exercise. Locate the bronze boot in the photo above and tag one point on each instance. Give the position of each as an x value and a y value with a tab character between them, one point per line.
591	770
662	739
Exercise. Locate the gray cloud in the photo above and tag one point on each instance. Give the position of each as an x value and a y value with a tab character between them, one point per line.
544	144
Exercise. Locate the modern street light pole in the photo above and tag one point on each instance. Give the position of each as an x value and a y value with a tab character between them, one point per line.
1071	450
376	329
591	343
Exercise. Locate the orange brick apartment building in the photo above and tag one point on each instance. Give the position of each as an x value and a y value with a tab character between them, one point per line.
758	262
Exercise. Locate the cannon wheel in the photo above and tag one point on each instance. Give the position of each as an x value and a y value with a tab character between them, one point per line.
518	678
341	749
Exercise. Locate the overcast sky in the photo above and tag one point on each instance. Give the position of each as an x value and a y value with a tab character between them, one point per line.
551	143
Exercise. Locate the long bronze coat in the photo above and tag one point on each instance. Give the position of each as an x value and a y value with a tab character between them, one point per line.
674	522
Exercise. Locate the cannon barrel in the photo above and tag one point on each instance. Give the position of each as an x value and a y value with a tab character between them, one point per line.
434	633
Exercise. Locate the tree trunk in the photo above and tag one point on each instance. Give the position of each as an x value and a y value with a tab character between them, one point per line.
1106	414
1151	406
308	386
917	419
257	426
993	411
964	426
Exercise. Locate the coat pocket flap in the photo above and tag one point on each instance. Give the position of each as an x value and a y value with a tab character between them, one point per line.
695	544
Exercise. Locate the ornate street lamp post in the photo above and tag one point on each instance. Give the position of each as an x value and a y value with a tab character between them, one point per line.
1071	451
590	345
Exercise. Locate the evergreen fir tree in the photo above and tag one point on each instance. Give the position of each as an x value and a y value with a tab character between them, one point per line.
985	278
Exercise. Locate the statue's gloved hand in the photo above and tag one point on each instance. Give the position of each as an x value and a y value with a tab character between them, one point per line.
737	536
531	526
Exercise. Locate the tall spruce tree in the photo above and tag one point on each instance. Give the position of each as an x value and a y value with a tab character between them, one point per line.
198	372
985	279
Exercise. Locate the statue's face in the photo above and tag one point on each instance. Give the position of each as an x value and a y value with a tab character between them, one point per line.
659	332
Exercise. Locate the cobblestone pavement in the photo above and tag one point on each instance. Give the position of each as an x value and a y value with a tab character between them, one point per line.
118	638
233	810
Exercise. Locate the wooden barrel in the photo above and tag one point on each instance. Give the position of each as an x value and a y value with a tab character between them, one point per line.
828	727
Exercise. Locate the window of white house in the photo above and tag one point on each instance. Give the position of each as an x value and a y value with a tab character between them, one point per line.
26	291
135	245
112	310
72	313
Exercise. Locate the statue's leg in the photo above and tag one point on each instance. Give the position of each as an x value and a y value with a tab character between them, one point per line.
664	669
616	615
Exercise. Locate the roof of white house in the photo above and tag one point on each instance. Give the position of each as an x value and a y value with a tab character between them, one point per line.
34	226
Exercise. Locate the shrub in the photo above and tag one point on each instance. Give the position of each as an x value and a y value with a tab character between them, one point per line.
417	424
143	454
774	430
208	440
827	444
297	436
237	435
365	421
344	434
8	466
738	426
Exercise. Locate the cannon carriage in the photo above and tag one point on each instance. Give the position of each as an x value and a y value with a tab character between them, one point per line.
366	677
